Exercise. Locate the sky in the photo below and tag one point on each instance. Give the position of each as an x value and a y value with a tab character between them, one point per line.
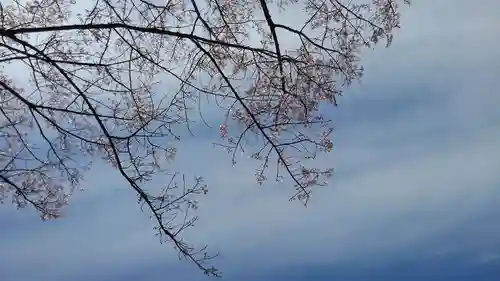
415	195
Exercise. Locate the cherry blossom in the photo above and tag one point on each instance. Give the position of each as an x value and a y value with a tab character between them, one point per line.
119	80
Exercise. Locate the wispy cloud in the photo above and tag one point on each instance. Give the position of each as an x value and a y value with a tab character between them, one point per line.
417	151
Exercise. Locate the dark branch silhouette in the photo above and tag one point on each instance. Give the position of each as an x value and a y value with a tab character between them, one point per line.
86	80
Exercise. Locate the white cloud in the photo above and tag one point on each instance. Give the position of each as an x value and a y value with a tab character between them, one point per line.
408	177
380	209
490	258
445	40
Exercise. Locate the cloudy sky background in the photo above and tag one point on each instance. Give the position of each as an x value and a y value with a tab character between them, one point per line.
416	194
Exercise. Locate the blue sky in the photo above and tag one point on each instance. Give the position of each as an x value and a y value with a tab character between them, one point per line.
416	194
